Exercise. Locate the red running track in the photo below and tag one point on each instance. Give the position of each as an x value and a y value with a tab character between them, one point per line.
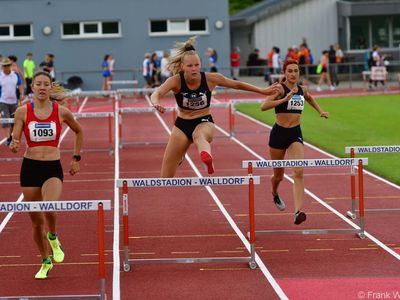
186	222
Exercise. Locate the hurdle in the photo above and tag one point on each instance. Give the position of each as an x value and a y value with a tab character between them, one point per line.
67	206
133	83
352	150
309	163
109	116
187	182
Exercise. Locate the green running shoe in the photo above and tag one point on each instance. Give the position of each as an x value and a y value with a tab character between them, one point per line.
58	253
44	271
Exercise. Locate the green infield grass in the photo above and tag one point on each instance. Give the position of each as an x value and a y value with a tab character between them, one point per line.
353	121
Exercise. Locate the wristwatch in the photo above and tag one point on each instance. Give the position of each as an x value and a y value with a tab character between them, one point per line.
76	157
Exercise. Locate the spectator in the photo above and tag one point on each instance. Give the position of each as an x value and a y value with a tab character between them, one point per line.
147	70
322	69
17	70
29	70
9	83
156	75
212	59
339	57
48	65
235	62
253	60
111	66
106	74
332	65
165	72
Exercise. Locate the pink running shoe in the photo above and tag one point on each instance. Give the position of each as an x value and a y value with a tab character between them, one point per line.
207	159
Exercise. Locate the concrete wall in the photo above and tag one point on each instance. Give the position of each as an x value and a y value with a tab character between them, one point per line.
83	57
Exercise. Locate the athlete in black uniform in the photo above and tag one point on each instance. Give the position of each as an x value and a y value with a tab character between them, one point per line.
192	90
286	134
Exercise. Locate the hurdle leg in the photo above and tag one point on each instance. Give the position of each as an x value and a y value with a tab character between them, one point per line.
110	151
127	267
102	270
352	213
252	262
361	234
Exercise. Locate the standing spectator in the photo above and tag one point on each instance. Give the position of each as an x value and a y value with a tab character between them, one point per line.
322	69
147	70
48	65
332	65
106	73
276	60
10	82
212	59
235	62
165	72
339	57
29	70
15	68
253	60
111	66
156	63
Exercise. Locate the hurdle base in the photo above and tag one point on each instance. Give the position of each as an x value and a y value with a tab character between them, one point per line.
55	297
351	215
309	231
139	261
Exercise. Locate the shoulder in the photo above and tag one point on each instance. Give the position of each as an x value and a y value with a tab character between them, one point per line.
21	111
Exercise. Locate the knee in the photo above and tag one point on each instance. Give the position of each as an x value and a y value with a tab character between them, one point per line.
277	177
298	174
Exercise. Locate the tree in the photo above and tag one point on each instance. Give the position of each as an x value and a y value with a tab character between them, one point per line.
237	5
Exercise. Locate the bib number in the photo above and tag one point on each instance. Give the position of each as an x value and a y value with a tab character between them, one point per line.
198	102
296	103
42	132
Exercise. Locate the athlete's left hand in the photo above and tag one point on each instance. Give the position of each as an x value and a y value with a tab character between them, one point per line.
74	167
324	114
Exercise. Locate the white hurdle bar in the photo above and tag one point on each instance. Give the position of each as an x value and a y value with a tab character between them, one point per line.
307	163
186	182
352	150
68	206
133	83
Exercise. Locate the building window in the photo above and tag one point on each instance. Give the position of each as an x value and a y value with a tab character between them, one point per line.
90	30
396	32
178	27
15	32
359	32
380	31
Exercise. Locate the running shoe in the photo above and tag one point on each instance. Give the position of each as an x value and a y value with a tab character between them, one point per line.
44	270
58	253
299	217
207	159
278	201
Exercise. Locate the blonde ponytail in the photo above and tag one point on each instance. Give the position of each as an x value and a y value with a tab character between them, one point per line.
182	49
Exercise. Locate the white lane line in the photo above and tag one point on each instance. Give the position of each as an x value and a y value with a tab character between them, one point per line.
116	259
244	240
21	196
344	218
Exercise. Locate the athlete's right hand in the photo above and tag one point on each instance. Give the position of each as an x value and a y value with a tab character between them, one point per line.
14	145
291	93
159	108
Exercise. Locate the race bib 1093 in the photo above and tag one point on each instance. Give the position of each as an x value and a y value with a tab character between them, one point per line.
42	132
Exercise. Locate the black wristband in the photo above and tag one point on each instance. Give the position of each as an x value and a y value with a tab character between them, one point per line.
76	157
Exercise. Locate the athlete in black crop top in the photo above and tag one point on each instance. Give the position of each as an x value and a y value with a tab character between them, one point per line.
286	135
193	99
194	123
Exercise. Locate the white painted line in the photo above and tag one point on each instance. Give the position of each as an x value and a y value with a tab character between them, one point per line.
116	259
